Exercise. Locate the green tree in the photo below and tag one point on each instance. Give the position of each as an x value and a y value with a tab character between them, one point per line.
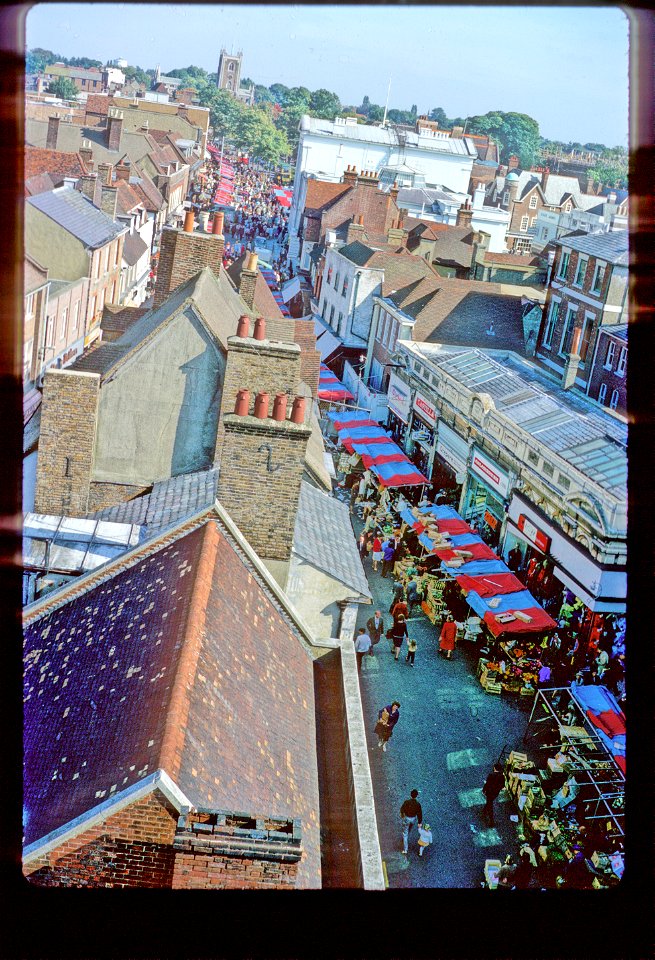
279	93
64	88
375	113
263	94
84	62
256	134
517	133
224	111
325	104
611	172
414	110
38	59
365	106
137	74
438	114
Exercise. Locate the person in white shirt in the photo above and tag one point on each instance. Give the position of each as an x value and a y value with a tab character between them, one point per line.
362	647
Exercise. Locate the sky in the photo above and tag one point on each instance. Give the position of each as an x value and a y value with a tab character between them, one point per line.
565	66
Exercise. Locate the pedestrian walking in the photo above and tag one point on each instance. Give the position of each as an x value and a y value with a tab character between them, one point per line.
447	637
388	556
424	837
491	788
411	813
362	647
378	553
388	717
411	651
412	595
397	608
375	627
398	634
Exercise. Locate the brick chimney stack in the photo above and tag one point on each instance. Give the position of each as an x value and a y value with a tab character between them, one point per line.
86	154
114	128
464	214
122	170
368	178
544	178
356	229
512	162
53	132
350	175
262	462
397	233
91	186
182	254
105	171
248	279
479	249
108	200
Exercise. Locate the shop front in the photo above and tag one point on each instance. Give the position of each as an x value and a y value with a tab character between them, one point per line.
422	433
399	404
486	495
450	462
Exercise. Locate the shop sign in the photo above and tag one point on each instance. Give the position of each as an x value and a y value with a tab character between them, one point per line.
451	458
490	520
534	535
399	397
492	475
453	449
425	410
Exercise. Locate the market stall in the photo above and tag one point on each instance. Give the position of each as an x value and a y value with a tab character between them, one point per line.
330	387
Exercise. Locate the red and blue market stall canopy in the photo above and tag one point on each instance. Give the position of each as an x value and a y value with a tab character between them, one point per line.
345	419
283	196
271	283
490	587
378	453
603	711
402	474
330	387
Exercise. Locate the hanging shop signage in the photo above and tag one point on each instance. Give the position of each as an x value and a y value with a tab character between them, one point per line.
399	398
453	449
533	534
487	470
425	410
491	520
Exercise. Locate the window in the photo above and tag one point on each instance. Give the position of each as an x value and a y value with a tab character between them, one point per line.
609	357
339	322
336	281
329	276
230	67
623	362
331	313
568	207
76	315
599	274
345	286
564	263
382	322
92	311
533	202
602	393
102	300
322	307
50	332
533	457
548	469
563	481
506	196
567	334
118	246
62	328
522	245
580	271
393	334
524	224
533	221
550	324
614	399
29	305
585	337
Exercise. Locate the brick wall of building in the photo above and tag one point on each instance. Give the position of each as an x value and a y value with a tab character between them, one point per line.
378	209
604	371
310	358
66	444
131	848
235	851
260	490
256	365
181	256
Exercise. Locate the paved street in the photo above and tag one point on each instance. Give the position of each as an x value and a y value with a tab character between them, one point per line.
449	734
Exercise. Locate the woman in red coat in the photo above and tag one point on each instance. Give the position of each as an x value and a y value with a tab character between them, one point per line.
447	637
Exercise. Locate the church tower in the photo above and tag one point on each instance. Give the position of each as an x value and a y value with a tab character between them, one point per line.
229	71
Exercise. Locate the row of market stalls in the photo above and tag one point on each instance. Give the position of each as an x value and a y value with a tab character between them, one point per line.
224	192
366	439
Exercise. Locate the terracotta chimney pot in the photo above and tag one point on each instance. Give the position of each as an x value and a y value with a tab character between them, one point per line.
189	221
242	403
298	410
217	226
261	406
243	326
280	407
260	329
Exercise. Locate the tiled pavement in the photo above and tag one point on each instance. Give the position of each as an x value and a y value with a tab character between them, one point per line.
449	735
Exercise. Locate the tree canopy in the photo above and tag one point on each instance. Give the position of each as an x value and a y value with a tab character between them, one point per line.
64	88
517	134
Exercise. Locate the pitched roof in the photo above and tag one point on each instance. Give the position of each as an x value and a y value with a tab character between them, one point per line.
133	248
34	275
400	267
612	246
137	145
264	302
98	103
146	190
127	198
117	319
56	163
321	194
323	536
454	246
183	623
211	298
76	214
40	183
462	311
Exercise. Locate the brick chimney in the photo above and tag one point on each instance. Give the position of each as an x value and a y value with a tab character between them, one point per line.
368	178
122	170
248	279
479	249
457	132
182	254
393	193
310	357
90	186
544	178
108	200
464	214
66	442
573	360
105	171
397	233
86	154
224	850
114	128
350	175
512	162
262	462
53	132
356	229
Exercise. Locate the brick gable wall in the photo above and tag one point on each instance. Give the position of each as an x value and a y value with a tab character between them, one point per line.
310	358
378	209
131	848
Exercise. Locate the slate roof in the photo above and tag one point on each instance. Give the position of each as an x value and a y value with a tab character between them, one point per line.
612	246
453	246
618	330
188	625
133	248
77	215
385	135
211	298
400	267
323	536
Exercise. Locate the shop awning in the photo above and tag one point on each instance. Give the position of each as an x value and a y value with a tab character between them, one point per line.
326	342
489	585
379	453
478	550
603	711
539	622
399	474
330	387
344	420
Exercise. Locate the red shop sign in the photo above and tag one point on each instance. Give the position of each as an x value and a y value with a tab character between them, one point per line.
490	519
536	536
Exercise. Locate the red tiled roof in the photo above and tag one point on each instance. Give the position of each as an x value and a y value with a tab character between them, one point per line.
128	198
98	103
54	162
264	302
513	259
321	194
116	320
172	677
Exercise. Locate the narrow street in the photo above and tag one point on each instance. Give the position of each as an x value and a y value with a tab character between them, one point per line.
449	735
